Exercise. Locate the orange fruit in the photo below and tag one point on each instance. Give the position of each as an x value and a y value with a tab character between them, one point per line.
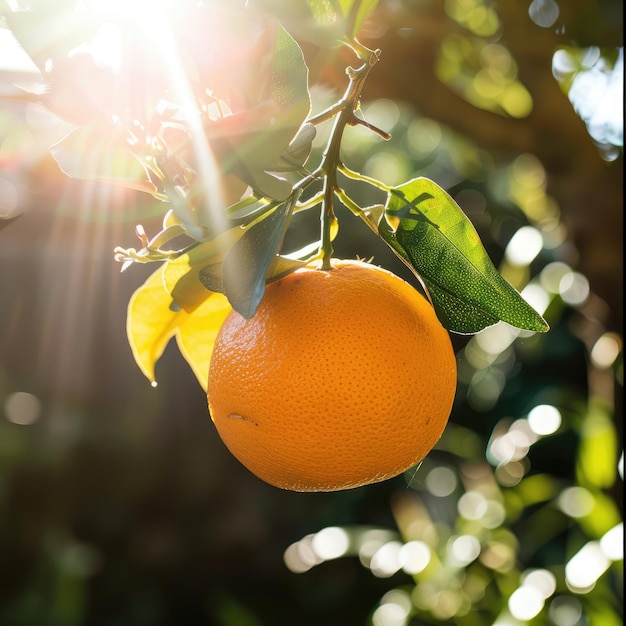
341	378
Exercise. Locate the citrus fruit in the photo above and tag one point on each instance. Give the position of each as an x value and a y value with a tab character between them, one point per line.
341	378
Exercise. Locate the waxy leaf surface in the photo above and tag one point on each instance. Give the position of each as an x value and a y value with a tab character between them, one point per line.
430	232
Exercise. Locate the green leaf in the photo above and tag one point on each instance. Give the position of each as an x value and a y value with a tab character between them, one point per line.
316	21
151	323
349	14
102	154
323	11
211	275
191	276
281	266
355	12
181	276
289	84
433	235
246	264
298	150
248	209
273	125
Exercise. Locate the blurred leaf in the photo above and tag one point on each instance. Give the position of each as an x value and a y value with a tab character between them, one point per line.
289	85
50	34
597	456
604	613
323	10
270	127
460	441
538	488
604	516
246	264
231	612
95	153
356	11
151	323
349	13
437	240
314	21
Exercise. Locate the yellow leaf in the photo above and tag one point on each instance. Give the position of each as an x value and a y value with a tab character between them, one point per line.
181	275
197	331
151	323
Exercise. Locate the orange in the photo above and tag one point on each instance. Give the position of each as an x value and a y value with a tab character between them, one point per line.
342	378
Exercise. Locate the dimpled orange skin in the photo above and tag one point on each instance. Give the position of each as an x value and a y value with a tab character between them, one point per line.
342	378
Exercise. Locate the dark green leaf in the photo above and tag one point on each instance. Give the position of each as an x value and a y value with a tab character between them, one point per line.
434	236
280	266
275	123
246	264
181	276
211	276
298	150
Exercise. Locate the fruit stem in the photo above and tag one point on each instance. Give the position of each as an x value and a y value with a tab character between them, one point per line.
327	218
331	160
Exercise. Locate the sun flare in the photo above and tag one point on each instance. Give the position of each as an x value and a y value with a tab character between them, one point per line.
149	17
160	28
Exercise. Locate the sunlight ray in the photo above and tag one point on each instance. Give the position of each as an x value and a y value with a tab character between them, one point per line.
211	213
154	21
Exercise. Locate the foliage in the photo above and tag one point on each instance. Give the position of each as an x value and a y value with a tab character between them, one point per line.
114	504
227	153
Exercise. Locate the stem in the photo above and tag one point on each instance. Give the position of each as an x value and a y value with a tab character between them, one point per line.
348	202
310	203
331	161
327	218
383	134
363	52
348	173
328	113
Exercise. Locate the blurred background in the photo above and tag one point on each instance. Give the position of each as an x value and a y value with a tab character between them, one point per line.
119	505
